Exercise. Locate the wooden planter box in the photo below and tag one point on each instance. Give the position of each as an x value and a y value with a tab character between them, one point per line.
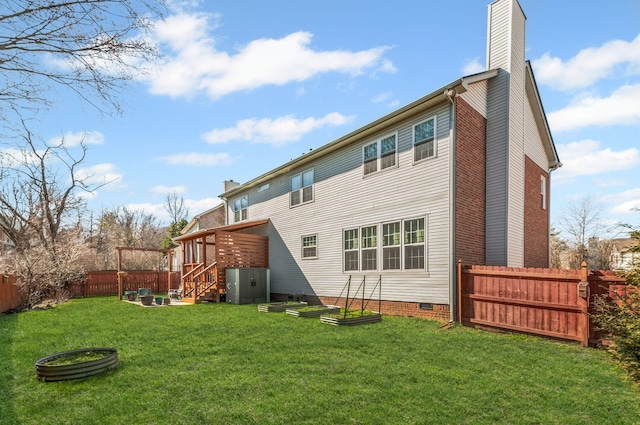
279	307
317	311
351	321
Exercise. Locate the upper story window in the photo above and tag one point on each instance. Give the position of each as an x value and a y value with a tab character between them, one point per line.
240	208
380	154
543	192
424	141
310	246
302	188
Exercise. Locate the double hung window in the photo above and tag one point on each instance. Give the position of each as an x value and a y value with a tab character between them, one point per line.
351	251
240	208
402	242
380	154
310	246
369	249
543	192
424	142
414	244
302	188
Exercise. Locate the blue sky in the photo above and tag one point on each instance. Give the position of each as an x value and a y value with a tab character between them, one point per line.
247	86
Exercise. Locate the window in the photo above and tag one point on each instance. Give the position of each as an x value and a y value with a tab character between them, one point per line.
351	250
302	188
424	144
310	246
543	192
240	208
391	246
414	244
369	248
403	245
379	155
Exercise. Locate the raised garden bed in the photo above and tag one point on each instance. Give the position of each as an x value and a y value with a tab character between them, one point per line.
312	310
280	306
76	364
352	318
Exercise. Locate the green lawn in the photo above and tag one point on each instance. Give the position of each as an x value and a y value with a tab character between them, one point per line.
226	364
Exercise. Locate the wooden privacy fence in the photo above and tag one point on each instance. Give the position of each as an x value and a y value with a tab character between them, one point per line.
9	296
546	302
106	282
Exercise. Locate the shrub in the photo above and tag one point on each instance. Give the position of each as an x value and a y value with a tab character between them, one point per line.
621	321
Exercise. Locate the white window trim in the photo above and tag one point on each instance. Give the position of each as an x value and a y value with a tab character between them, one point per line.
312	185
380	247
435	139
543	192
378	142
426	239
302	247
246	210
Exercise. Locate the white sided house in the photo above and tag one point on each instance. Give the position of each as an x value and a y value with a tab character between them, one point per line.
461	173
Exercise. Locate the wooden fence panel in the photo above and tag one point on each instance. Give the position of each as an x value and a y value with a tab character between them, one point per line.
9	296
538	301
98	283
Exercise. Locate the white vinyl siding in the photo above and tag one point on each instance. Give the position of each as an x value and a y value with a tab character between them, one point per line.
344	201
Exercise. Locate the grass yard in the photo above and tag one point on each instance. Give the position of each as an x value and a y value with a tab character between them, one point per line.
226	364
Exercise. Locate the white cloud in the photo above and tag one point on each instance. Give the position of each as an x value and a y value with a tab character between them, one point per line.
587	157
196	159
277	131
473	66
622	107
101	174
71	139
382	97
196	64
589	65
165	190
625	202
158	210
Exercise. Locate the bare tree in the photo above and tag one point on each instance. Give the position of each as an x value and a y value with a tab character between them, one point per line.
91	47
557	248
127	228
582	222
175	207
40	205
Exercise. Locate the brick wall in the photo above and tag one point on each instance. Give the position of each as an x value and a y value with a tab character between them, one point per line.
213	218
470	184
438	312
536	222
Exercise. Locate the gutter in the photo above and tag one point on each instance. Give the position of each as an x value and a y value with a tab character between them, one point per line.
424	103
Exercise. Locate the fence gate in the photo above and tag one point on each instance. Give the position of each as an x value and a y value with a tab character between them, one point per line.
546	302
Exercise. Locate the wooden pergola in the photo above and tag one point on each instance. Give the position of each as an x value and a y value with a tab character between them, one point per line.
121	272
206	254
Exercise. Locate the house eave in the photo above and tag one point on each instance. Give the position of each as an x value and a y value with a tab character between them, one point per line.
436	97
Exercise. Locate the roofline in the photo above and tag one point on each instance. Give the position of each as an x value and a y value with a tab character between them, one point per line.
440	95
196	217
229	228
554	163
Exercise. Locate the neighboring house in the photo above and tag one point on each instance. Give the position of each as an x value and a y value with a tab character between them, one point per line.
622	257
5	242
214	217
461	173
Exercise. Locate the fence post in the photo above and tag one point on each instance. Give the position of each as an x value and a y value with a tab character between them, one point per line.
583	303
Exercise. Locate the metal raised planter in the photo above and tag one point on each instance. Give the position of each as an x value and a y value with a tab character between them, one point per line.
76	370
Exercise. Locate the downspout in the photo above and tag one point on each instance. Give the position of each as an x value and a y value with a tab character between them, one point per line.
453	280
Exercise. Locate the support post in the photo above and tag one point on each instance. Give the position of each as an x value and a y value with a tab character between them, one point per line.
119	273
583	303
